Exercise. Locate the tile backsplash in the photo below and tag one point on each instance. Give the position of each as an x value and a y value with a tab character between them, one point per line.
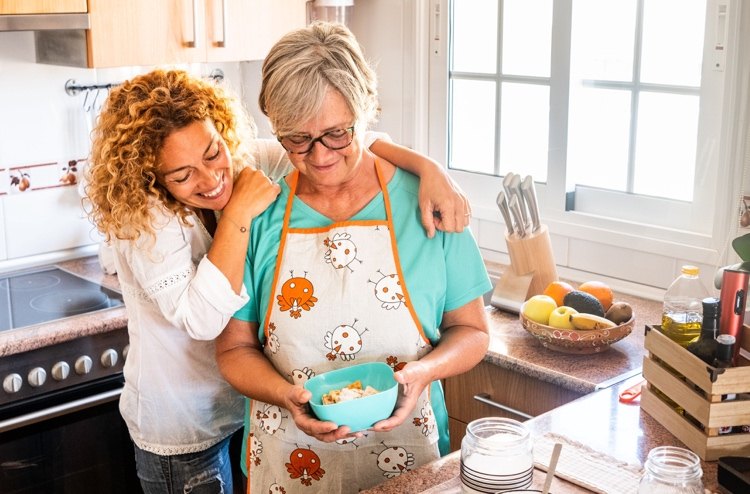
44	143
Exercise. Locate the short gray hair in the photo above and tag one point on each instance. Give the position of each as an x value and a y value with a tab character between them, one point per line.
303	64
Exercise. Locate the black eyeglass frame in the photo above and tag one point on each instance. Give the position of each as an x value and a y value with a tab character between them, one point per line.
321	139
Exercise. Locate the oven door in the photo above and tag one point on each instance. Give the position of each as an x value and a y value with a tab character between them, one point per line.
74	441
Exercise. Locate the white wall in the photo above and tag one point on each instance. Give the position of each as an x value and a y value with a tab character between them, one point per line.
41	129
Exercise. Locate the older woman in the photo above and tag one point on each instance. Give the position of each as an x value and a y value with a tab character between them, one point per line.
340	273
170	152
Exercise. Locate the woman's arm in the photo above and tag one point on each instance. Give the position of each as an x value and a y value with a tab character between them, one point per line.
442	203
244	366
251	194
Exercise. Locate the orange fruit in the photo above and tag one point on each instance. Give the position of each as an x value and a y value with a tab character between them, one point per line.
600	290
557	290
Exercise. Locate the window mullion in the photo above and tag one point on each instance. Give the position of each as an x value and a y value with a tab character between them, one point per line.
557	182
635	95
498	87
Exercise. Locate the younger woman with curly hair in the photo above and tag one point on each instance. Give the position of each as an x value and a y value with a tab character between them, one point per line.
175	179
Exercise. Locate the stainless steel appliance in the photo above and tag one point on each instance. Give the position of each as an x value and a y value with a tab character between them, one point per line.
60	427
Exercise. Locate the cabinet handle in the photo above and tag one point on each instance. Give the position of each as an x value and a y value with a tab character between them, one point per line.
485	398
223	42
194	42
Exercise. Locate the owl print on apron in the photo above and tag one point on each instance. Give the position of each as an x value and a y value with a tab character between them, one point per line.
339	299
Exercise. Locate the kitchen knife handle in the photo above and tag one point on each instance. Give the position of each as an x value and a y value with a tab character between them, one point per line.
515	186
515	210
507	179
529	194
502	203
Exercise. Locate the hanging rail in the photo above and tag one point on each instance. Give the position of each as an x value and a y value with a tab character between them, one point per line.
72	89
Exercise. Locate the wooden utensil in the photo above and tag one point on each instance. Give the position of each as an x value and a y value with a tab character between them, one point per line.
552	466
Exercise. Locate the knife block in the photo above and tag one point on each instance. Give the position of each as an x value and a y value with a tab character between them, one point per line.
532	268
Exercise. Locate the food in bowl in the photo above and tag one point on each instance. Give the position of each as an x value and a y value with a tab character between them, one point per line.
349	392
361	413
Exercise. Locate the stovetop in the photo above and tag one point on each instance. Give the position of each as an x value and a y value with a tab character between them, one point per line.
48	294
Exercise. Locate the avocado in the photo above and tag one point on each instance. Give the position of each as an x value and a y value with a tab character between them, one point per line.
584	303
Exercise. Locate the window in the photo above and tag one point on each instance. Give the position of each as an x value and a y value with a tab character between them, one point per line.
626	112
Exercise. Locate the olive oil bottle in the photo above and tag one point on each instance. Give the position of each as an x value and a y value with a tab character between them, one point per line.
683	307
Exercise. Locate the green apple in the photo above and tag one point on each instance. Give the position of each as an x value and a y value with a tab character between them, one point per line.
538	308
560	317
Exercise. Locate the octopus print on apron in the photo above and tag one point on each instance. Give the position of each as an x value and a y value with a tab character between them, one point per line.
338	299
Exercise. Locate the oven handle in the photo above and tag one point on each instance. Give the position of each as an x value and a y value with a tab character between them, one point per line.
58	410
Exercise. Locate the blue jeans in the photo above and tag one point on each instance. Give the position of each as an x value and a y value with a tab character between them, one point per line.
204	472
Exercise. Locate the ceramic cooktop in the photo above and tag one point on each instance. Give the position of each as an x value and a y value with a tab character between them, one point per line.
47	294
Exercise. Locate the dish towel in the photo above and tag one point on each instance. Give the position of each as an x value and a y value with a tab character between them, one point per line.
581	465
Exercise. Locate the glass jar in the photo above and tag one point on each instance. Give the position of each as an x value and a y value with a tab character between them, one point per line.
671	470
496	455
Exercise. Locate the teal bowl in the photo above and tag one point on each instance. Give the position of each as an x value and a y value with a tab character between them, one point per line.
360	413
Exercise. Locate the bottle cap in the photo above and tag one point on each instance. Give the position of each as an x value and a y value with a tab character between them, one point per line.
724	347
711	307
690	270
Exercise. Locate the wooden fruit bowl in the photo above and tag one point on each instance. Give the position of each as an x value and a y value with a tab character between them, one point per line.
576	341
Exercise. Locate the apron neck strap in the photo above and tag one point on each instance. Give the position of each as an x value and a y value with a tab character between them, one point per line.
294	180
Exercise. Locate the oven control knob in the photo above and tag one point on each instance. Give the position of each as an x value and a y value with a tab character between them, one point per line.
37	376
125	352
109	358
83	365
60	371
12	383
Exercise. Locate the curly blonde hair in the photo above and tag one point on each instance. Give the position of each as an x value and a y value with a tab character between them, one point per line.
136	119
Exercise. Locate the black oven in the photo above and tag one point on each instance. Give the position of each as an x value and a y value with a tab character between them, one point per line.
60	427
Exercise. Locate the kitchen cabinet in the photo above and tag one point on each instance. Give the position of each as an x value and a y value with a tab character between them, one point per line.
520	392
144	32
16	7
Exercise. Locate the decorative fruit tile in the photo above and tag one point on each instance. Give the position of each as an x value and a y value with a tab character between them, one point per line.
28	178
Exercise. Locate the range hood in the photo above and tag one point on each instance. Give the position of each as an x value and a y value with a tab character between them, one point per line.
44	22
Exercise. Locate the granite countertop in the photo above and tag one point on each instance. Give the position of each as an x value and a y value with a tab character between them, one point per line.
41	335
513	348
619	430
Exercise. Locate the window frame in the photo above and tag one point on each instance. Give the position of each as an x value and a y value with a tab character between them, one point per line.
680	239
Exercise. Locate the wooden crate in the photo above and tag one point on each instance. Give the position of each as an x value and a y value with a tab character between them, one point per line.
697	388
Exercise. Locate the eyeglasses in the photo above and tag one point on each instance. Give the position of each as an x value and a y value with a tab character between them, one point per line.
333	139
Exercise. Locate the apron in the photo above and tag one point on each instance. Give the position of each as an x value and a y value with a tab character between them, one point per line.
338	299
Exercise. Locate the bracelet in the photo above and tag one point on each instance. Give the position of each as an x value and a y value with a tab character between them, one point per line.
242	228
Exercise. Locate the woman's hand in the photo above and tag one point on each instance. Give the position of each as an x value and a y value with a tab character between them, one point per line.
414	378
442	203
296	401
252	192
